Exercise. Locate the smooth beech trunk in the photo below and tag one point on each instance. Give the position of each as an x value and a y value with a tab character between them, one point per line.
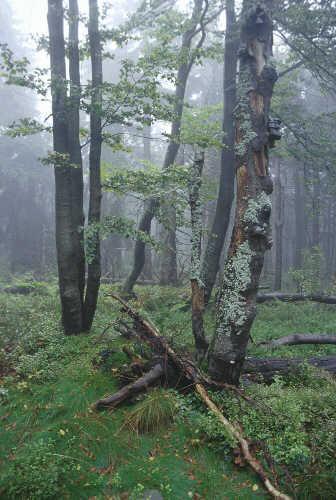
94	265
77	184
236	305
66	242
221	222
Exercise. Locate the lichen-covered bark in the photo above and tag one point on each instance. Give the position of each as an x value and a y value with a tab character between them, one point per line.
197	287
236	303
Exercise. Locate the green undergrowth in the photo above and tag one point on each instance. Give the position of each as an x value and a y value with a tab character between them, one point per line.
53	445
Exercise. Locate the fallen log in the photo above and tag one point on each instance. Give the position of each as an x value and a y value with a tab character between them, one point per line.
296	297
268	368
301	339
188	371
133	389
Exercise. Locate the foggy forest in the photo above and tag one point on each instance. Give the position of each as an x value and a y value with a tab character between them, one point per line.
167	249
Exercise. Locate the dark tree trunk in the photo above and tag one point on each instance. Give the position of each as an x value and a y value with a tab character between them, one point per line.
236	306
316	199
296	297
77	185
94	265
301	339
139	248
300	217
268	368
148	265
221	220
278	224
170	157
66	244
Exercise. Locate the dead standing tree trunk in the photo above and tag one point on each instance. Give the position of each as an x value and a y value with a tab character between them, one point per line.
236	306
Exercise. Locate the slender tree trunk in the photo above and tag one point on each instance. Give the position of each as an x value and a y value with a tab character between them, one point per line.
77	184
94	265
236	304
221	220
300	216
278	224
316	208
70	293
197	288
148	270
173	146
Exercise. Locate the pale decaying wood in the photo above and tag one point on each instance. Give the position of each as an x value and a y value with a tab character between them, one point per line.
188	370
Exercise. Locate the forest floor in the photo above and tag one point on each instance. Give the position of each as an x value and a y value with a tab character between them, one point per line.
54	446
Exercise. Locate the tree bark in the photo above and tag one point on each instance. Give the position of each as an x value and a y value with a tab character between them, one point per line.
197	287
77	184
66	244
236	306
212	254
278	224
94	264
268	368
152	204
133	389
148	265
295	297
301	339
300	218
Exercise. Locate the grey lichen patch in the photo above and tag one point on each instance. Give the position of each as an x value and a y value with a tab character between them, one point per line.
257	206
231	313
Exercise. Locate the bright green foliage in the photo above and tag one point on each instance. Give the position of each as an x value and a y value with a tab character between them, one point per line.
114	224
91	454
308	279
26	126
202	127
152	181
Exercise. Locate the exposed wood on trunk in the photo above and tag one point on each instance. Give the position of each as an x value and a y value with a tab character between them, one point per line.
236	306
268	368
220	225
94	265
296	297
186	369
301	339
